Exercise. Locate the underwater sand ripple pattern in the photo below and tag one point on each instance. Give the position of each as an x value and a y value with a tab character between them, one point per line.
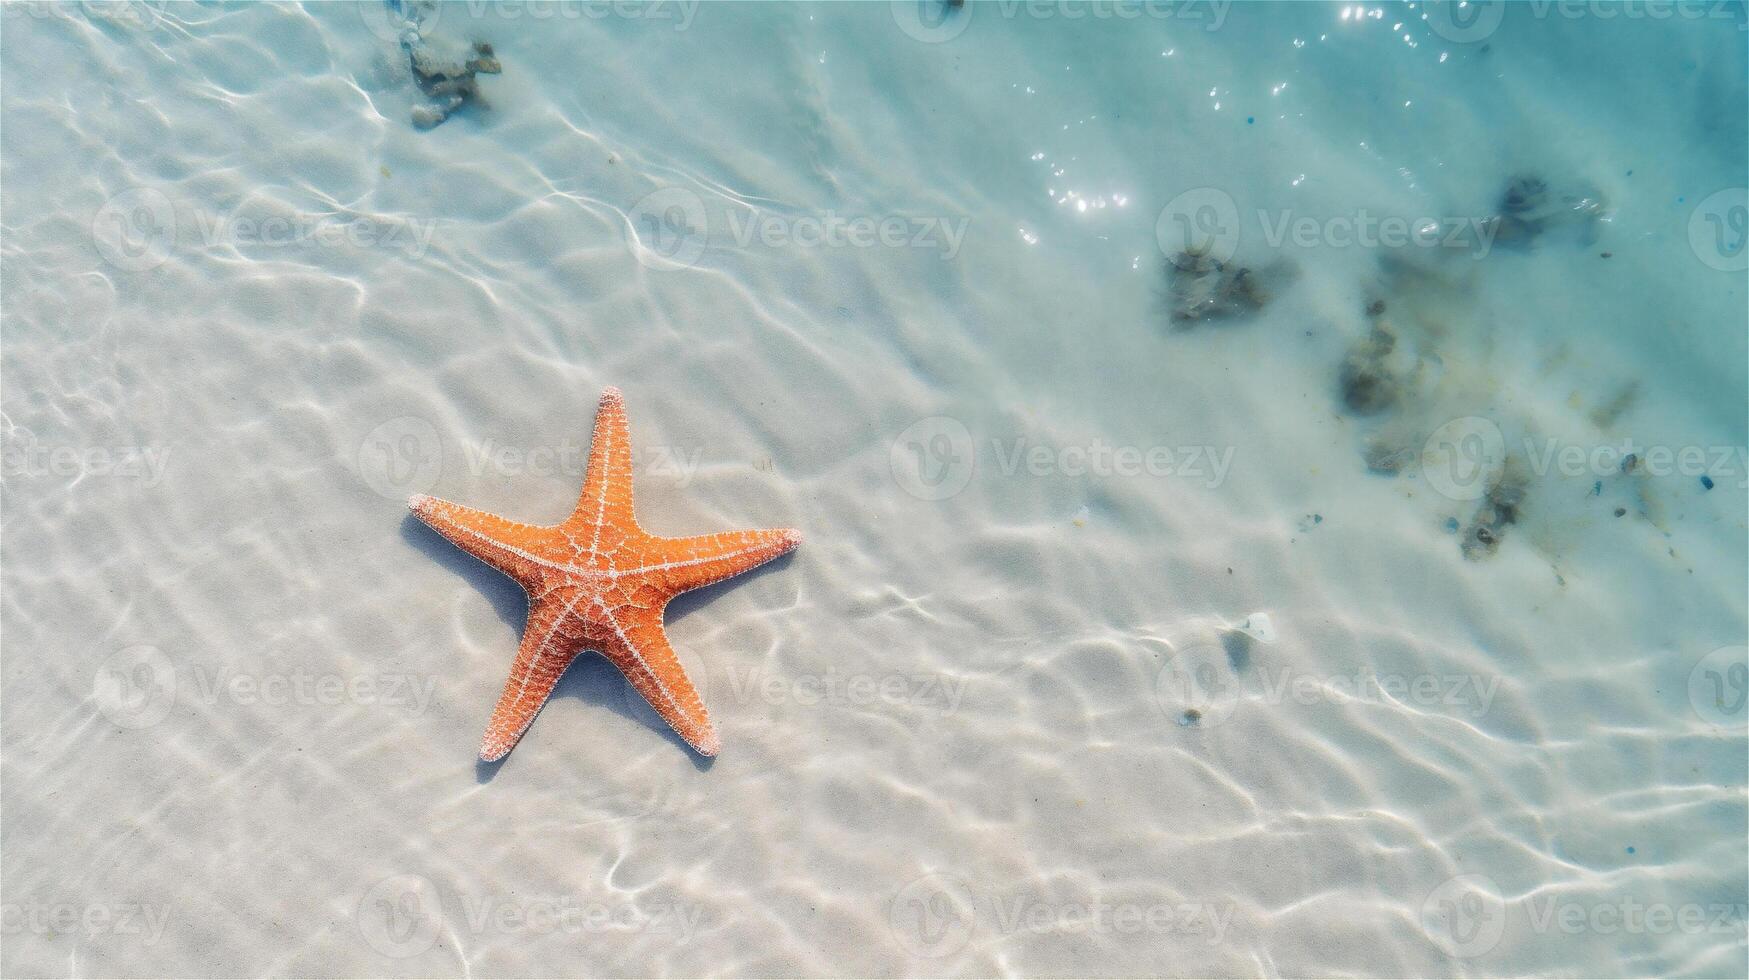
1049	723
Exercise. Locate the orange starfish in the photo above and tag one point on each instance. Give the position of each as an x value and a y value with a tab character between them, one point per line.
598	582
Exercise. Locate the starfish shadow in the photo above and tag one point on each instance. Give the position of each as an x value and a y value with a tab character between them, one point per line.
594	681
507	598
683	604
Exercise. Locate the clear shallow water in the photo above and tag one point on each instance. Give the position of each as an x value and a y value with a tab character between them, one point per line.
1305	641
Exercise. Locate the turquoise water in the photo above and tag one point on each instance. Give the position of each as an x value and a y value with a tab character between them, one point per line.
1273	481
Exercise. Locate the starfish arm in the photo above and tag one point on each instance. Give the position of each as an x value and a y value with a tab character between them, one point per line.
545	653
606	500
638	646
692	563
508	546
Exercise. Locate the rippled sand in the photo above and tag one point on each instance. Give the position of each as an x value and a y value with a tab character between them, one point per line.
1106	653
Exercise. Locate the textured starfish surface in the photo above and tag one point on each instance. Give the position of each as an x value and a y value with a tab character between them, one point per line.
597	581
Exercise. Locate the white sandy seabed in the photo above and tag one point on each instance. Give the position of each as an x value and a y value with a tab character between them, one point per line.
1106	653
